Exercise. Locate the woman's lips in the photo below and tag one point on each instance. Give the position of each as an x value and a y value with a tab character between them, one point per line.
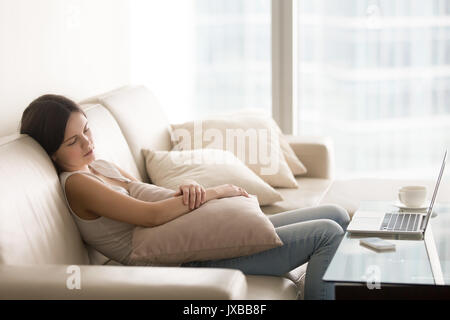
88	153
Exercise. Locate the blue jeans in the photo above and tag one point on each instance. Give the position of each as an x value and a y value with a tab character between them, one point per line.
309	235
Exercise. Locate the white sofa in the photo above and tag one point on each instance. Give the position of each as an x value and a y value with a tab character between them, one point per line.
39	240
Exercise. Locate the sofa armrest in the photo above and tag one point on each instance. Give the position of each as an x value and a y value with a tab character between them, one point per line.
120	282
316	153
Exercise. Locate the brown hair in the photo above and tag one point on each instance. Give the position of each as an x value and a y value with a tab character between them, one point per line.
45	120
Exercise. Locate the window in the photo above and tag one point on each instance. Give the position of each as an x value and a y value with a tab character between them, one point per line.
202	57
375	76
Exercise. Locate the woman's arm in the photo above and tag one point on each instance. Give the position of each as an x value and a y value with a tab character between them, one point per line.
172	208
95	197
193	193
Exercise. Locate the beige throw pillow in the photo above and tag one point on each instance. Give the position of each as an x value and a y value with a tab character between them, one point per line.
291	158
208	167
218	229
255	140
294	163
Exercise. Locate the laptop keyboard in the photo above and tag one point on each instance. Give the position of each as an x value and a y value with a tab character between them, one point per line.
400	221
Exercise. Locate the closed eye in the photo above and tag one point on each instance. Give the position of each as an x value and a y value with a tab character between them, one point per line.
75	140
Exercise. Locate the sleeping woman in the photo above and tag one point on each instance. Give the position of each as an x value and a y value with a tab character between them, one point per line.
97	195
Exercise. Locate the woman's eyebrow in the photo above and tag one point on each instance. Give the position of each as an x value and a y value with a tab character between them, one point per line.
74	135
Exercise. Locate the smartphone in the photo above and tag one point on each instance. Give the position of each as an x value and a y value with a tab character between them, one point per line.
377	244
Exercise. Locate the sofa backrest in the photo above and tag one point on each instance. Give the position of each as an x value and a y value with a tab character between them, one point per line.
110	144
141	119
35	224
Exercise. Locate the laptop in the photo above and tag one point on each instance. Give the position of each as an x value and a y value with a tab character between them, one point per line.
403	222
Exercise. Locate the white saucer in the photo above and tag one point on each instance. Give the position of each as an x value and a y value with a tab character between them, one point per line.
400	205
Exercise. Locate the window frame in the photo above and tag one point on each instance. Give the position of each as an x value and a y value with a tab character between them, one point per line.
284	64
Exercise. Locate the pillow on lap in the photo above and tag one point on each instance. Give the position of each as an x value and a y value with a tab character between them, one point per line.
218	229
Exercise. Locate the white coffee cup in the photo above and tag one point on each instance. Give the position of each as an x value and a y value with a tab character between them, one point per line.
412	196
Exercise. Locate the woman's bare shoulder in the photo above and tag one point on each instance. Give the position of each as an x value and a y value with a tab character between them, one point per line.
96	197
75	201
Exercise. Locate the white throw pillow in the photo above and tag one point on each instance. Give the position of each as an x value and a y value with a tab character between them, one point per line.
208	167
255	140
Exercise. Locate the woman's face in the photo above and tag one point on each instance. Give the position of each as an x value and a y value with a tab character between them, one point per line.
72	154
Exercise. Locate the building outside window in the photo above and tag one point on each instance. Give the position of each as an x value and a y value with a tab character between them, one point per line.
372	75
375	76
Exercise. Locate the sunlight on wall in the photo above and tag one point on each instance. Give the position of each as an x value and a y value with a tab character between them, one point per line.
162	53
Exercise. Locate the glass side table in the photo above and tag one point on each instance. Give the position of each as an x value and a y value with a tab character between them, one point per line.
356	269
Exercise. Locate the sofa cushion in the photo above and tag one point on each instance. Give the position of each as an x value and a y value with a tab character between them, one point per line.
271	288
35	225
109	142
208	167
309	193
141	119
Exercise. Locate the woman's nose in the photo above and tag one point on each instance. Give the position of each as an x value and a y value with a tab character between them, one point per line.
86	140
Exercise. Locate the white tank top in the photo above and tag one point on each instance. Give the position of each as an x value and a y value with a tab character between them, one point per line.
110	237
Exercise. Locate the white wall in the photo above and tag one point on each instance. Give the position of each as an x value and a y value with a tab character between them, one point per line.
162	53
77	48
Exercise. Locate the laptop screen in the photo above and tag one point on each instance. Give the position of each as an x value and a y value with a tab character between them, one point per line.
430	209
